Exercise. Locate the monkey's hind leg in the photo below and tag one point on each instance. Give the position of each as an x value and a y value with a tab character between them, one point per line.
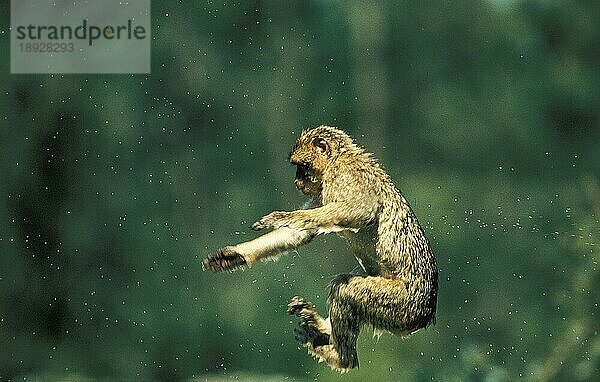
314	333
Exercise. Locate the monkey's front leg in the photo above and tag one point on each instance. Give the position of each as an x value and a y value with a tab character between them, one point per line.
271	244
332	217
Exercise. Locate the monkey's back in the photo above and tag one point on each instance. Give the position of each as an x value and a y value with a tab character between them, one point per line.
405	252
393	244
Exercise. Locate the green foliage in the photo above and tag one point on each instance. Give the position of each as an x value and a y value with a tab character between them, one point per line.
114	187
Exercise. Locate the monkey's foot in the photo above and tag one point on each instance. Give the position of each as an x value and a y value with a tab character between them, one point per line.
314	333
326	351
311	320
312	330
329	354
225	259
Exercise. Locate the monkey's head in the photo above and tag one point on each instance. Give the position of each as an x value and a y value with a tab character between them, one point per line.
314	151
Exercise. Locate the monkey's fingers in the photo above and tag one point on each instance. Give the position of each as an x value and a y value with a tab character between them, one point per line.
264	222
275	219
258	226
225	259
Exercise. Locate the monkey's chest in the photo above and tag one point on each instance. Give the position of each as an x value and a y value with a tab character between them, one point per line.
362	245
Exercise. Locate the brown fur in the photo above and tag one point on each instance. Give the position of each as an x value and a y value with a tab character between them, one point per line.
395	286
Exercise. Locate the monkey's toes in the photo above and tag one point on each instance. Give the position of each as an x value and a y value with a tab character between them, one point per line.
298	306
225	259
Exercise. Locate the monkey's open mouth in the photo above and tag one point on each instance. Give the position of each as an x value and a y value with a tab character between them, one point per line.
301	171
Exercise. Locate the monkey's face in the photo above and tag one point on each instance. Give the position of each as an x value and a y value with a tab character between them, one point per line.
307	180
310	157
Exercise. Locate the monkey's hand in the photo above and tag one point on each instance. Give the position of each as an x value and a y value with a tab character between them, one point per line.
276	219
225	259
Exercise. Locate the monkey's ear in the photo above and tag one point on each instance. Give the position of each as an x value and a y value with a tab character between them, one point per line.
321	144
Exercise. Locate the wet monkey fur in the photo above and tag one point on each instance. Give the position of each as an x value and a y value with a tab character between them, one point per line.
393	288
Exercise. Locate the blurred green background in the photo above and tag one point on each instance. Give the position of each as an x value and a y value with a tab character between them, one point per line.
115	187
